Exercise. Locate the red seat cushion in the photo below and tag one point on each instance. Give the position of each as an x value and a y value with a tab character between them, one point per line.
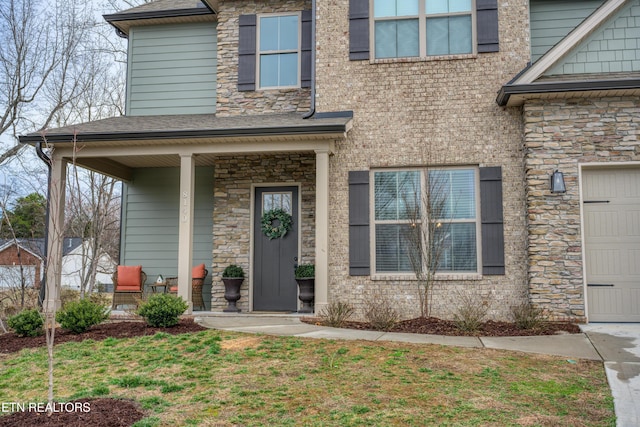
198	272
173	289
129	278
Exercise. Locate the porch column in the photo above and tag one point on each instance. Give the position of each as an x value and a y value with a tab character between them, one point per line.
55	233
322	230
185	237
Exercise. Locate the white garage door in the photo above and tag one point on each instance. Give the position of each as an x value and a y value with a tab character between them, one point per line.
612	241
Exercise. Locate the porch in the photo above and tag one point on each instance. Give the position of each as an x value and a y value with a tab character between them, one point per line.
178	147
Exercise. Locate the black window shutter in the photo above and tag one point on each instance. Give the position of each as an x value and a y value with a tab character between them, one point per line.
247	53
359	237
305	48
487	22
358	30
492	220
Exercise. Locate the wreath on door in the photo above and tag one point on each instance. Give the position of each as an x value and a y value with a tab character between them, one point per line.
276	231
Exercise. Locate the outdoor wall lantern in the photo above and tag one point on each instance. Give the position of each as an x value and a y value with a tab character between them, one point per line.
557	183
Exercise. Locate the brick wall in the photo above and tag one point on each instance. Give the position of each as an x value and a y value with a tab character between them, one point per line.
419	113
233	178
562	134
229	100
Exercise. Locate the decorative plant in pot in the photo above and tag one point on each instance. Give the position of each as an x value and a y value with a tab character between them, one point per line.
232	277
305	276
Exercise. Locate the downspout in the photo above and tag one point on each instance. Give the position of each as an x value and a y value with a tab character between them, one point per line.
43	284
312	108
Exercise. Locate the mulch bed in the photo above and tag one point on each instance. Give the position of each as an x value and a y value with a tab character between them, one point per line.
435	326
79	413
11	343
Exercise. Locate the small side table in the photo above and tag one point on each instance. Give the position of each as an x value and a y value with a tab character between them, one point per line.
155	287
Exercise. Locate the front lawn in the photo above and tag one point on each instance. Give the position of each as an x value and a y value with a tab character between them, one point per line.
215	378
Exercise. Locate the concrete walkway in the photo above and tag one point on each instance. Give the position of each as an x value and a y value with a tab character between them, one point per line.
617	345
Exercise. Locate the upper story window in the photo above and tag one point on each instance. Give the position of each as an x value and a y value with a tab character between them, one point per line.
274	51
412	28
279	51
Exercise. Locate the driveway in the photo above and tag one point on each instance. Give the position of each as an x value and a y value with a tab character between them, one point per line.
619	346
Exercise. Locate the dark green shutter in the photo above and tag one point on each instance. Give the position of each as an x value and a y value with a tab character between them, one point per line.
492	220
358	30
487	23
305	49
247	53
359	236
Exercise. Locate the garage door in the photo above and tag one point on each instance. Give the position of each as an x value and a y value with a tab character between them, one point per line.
11	275
612	240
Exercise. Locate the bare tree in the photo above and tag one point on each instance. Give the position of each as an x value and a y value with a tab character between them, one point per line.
425	205
40	61
93	213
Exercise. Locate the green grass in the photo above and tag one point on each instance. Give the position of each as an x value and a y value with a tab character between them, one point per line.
224	378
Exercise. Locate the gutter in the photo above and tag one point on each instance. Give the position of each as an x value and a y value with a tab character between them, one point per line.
312	107
557	87
43	284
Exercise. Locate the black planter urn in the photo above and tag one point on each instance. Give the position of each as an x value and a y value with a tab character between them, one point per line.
232	293
306	293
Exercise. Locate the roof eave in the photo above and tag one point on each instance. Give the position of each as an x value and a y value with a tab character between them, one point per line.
115	19
506	91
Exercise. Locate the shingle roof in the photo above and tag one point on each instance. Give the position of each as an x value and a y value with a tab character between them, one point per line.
36	245
161	11
195	125
163	5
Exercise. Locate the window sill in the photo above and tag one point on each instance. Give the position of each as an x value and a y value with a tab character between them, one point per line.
440	277
424	59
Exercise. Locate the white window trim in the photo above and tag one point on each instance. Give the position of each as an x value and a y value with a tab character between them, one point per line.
445	275
422	32
259	53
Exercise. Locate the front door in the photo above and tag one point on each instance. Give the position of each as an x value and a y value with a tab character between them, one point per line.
274	285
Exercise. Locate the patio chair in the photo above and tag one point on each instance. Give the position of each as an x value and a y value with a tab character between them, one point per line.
128	285
198	274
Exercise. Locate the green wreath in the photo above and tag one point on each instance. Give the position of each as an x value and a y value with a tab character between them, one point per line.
276	232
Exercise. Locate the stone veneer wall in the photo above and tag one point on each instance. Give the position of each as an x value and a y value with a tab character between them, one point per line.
562	134
230	102
417	112
233	177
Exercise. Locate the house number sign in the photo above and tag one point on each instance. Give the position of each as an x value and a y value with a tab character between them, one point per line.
184	214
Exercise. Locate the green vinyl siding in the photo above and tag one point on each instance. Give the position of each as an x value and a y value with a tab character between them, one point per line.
552	20
614	47
172	69
150	222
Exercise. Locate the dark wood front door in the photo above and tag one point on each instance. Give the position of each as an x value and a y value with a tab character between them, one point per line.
274	285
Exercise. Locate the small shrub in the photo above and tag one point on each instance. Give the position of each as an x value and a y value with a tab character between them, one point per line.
470	313
234	271
526	316
162	310
27	323
78	316
336	313
304	271
68	295
380	313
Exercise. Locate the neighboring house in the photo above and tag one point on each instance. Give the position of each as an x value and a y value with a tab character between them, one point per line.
75	267
20	261
341	111
23	258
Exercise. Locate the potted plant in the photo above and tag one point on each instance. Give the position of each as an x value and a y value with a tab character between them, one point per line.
232	277
305	276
